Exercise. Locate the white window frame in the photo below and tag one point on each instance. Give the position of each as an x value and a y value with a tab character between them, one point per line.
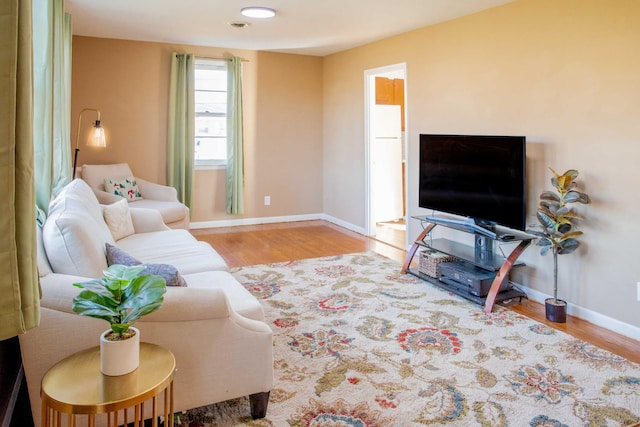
201	63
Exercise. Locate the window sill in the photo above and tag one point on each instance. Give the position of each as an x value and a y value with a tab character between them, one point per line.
210	167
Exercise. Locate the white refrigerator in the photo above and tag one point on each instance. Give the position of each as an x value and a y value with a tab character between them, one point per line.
386	163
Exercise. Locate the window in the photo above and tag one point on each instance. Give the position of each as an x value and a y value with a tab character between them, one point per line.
210	113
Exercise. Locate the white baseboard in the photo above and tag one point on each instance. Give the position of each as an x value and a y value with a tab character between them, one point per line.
275	219
589	315
254	221
344	224
534	295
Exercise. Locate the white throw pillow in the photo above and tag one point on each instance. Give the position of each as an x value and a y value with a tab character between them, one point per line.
118	219
126	187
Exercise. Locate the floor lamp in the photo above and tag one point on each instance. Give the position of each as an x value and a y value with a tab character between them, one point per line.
96	139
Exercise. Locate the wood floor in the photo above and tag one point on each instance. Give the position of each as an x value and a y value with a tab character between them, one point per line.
261	244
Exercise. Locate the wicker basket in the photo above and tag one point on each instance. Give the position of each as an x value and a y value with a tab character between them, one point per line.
429	260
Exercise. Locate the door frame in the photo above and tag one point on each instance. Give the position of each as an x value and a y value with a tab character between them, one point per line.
369	101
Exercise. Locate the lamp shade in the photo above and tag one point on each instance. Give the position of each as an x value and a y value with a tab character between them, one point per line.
97	138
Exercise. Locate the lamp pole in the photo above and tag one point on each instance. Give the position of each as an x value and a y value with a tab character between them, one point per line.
98	139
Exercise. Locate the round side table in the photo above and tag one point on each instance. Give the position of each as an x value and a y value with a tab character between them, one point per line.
76	387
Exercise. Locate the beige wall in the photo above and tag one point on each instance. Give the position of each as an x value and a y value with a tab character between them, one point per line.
563	73
128	82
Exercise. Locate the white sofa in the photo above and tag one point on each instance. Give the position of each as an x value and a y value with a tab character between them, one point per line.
214	326
153	196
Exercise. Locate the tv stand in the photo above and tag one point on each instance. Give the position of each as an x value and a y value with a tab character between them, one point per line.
480	255
468	225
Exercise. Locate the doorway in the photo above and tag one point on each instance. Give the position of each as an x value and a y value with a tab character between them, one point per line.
385	124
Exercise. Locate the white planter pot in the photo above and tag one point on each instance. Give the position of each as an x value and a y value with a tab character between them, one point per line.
119	357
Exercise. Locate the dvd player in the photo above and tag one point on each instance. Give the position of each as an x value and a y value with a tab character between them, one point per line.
467	277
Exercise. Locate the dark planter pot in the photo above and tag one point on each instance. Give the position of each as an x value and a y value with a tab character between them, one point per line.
555	310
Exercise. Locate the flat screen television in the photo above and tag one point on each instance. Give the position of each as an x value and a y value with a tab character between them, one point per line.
481	177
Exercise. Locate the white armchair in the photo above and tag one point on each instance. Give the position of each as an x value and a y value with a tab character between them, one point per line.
154	196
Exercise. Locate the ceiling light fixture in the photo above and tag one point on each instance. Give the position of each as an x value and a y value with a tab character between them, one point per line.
258	12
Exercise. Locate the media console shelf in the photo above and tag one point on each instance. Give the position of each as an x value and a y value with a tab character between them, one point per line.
481	255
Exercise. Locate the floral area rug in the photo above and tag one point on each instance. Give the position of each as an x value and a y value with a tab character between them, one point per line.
358	344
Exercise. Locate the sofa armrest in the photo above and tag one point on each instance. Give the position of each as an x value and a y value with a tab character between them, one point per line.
153	191
181	304
58	291
106	198
204	304
146	220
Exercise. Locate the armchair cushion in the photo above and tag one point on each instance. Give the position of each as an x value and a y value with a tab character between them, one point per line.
118	219
146	220
124	187
170	211
94	175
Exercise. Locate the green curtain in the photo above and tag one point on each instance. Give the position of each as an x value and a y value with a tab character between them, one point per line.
180	132
52	89
19	286
235	153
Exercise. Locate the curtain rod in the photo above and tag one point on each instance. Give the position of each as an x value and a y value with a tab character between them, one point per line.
218	59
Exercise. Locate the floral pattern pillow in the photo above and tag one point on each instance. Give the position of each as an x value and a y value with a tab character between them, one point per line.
124	187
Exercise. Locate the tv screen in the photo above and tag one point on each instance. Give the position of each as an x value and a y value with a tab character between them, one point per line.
477	176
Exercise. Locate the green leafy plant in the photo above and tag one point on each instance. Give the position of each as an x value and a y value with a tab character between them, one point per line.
557	219
120	297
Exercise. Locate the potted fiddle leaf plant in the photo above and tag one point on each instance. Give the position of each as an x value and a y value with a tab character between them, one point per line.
556	231
120	297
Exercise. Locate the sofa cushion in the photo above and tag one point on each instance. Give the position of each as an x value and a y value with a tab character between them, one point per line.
74	233
176	247
125	187
170	274
170	211
118	219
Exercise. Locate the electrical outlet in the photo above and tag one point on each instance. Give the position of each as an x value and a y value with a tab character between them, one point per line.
638	290
267	200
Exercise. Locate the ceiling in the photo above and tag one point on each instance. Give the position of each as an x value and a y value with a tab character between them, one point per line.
309	27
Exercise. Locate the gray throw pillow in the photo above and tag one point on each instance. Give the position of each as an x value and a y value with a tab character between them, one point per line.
170	274
115	255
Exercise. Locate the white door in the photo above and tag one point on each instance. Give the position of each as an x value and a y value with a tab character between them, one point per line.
386	162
